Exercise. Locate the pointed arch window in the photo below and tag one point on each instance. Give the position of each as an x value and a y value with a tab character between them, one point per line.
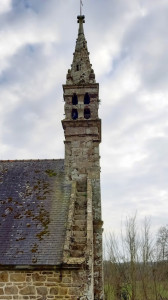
74	99
86	99
74	114
87	114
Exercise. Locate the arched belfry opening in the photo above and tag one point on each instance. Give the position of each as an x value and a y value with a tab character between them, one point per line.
86	99
74	99
74	114
87	114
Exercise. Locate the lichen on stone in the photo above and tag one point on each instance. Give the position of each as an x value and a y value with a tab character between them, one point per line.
50	173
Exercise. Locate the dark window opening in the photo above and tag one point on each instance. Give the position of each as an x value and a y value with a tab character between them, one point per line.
86	99
74	99
74	114
78	67
87	113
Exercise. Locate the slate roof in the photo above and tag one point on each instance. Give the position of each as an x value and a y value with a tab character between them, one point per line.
34	200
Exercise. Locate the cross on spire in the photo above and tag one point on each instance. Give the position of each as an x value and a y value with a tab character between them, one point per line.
81	4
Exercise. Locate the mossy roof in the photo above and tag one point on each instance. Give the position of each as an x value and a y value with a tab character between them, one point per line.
34	201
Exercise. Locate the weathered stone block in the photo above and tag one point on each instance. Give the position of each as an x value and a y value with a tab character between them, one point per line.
1	291
28	290
66	280
53	279
18	277
28	279
73	291
3	276
42	290
38	277
76	144
11	290
41	298
50	284
54	291
63	291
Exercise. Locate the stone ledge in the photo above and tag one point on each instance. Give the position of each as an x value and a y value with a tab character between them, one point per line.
74	260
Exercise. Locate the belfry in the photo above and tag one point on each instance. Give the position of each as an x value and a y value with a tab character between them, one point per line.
50	210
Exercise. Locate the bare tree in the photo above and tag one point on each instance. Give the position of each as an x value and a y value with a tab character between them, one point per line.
162	243
131	241
146	258
132	270
115	265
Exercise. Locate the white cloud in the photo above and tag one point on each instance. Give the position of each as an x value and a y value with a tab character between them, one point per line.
5	6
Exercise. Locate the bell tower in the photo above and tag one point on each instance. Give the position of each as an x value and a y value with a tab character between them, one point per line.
82	125
82	130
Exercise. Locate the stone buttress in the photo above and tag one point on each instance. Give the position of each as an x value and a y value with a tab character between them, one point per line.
82	129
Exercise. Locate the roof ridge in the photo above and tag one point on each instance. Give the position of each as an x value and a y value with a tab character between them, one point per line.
26	160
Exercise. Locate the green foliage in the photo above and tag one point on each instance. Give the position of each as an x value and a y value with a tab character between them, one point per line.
162	291
109	292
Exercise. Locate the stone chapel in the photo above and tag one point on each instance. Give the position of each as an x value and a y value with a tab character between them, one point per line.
50	210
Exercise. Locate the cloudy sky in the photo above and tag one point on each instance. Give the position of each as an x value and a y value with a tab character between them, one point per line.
128	44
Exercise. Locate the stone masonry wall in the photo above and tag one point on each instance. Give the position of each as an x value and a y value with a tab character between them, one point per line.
97	229
42	285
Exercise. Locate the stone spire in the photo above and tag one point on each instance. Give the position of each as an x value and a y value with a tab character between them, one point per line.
81	71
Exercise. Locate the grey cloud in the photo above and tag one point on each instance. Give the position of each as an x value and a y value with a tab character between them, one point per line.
146	43
36	69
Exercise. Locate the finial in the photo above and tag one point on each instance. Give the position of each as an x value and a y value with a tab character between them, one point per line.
81	4
81	20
